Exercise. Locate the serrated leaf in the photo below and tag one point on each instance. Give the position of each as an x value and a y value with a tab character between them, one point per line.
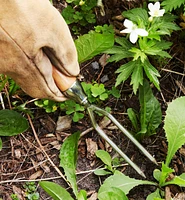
125	71
150	112
138	54
151	73
119	53
68	157
169	5
105	157
12	123
137	15
137	77
92	44
113	193
55	190
122	182
174	126
123	42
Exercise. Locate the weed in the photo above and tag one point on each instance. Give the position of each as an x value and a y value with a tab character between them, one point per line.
30	191
79	13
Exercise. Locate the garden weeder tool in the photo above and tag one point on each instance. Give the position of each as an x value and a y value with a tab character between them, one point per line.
72	89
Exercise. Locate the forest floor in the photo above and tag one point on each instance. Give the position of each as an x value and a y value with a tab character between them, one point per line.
22	156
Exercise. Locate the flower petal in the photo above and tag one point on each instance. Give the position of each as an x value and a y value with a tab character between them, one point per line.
141	32
161	12
133	37
128	24
126	31
150	6
156	6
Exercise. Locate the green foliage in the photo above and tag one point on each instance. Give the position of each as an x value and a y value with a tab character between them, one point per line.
122	182
174	127
71	107
97	92
141	53
79	13
107	160
12	123
14	197
30	192
68	158
48	105
170	5
150	114
55	191
94	43
113	193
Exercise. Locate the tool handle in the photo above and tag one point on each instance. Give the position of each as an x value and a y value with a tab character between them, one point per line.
63	81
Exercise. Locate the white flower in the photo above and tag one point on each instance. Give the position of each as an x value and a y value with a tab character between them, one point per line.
155	10
133	30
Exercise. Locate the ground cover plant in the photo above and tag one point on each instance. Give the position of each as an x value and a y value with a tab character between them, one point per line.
132	63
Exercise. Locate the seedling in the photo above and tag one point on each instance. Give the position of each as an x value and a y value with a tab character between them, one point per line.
79	13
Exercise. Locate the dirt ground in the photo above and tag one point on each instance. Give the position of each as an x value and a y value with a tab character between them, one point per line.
22	156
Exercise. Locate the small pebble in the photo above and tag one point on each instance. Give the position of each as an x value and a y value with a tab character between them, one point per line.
104	78
95	65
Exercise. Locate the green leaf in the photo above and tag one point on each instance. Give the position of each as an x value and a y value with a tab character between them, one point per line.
138	54
151	73
55	190
105	157
1	144
104	96
12	123
169	5
182	176
133	118
165	172
122	182
68	157
92	44
120	52
113	193
154	195
137	77
174	126
150	112
97	89
101	172
115	92
82	195
137	15
77	116
177	180
125	71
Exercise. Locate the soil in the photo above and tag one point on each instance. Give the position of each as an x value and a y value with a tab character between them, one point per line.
22	157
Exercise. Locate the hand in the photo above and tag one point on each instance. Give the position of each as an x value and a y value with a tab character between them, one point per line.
33	35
